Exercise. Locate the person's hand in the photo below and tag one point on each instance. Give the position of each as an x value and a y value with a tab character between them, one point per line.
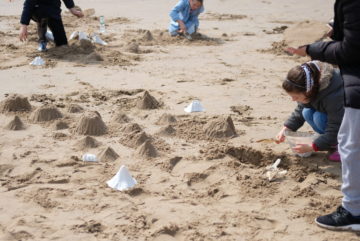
301	51
77	12
302	148
23	32
280	137
182	27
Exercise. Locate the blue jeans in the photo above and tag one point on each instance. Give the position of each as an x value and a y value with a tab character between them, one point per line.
317	120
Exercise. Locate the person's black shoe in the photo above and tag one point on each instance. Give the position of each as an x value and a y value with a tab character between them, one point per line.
341	219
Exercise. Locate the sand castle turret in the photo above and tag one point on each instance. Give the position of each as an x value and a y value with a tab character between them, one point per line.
91	124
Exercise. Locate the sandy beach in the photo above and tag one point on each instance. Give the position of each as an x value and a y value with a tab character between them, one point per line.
200	176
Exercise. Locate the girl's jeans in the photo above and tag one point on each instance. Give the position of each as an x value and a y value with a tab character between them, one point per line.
317	120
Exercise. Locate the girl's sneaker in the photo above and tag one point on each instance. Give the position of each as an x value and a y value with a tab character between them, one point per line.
335	157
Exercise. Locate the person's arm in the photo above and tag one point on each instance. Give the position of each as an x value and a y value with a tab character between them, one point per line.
28	10
74	10
175	12
296	119
346	51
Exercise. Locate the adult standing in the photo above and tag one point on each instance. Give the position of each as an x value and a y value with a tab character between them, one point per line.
344	51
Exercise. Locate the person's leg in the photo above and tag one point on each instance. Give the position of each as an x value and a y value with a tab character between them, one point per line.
57	28
42	24
348	215
309	116
320	120
174	28
349	149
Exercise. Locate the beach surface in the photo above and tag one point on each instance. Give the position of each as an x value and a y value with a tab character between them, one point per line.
200	176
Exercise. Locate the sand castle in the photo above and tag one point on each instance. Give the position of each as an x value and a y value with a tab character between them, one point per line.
220	128
147	102
166	119
46	113
107	155
87	142
75	108
15	125
147	150
15	103
91	124
167	131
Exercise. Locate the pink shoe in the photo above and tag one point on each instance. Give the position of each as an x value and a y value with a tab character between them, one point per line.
335	157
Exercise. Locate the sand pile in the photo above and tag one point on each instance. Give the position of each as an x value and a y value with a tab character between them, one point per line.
107	155
147	102
305	33
91	124
131	127
135	139
167	131
166	119
75	108
15	125
15	103
147	150
121	118
220	128
46	113
60	125
132	47
87	142
146	35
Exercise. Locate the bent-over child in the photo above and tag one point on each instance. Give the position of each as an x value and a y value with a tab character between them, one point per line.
318	89
46	13
184	17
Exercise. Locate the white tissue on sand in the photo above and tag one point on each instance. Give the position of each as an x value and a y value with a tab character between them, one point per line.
122	180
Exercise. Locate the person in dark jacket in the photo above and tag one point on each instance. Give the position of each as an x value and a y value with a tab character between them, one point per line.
318	89
46	13
344	51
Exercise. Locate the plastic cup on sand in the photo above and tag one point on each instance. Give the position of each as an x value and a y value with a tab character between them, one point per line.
298	137
89	157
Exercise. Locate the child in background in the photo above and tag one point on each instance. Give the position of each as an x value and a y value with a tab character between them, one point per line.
184	17
318	89
46	13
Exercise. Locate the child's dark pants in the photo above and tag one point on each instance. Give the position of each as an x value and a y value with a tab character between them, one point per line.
56	26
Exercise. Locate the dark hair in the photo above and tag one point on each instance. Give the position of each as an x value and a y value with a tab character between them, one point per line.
200	1
295	81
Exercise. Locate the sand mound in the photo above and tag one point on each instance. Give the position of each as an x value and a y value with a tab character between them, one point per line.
93	57
15	125
132	47
107	155
91	124
147	102
166	119
220	128
75	108
167	131
146	35
135	139
146	150
87	142
121	118
15	103
45	113
305	33
60	125
131	127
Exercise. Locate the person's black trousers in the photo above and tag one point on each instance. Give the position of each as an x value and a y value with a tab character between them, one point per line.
56	26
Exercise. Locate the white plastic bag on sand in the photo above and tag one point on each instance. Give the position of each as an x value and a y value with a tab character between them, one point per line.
122	180
195	106
96	39
272	172
38	61
49	36
83	35
74	35
89	157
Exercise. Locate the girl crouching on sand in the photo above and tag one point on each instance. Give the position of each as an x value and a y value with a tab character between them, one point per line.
318	89
184	17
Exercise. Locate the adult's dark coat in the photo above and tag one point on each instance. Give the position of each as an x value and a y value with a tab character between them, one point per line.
344	50
43	8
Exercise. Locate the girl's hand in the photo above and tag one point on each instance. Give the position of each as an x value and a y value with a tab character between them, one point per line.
182	27
280	137
301	51
23	33
303	148
77	12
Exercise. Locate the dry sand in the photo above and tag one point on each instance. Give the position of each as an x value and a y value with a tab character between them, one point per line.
200	176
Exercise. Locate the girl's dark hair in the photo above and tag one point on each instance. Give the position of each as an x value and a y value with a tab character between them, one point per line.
295	81
200	1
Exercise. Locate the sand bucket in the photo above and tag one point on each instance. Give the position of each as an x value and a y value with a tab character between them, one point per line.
298	137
